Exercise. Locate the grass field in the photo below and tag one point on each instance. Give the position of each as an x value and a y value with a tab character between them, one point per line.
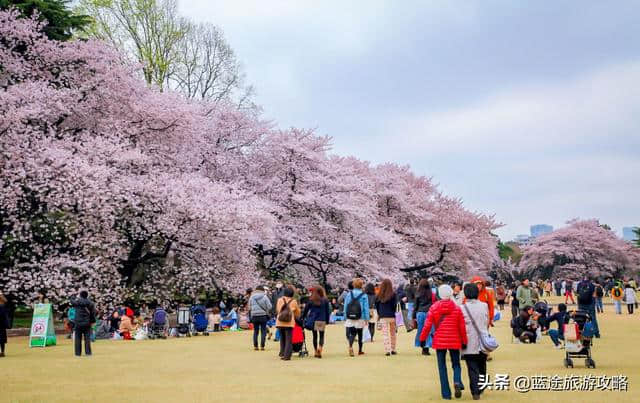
224	367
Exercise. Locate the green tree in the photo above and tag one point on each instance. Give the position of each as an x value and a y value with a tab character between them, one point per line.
636	231
62	22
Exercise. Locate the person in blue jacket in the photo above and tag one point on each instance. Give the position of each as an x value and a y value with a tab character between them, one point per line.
356	314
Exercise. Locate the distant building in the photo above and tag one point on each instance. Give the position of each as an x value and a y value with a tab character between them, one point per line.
628	234
522	239
540	229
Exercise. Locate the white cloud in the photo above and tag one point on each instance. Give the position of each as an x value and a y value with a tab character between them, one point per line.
600	105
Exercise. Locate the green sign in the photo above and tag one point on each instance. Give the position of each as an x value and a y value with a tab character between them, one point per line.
42	331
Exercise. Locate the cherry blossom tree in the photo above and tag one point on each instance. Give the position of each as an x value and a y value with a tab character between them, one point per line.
130	192
583	247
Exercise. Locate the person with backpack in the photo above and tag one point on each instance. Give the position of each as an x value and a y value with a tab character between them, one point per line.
85	317
475	321
587	301
356	313
617	293
630	297
422	303
287	310
450	335
386	304
259	310
316	316
599	295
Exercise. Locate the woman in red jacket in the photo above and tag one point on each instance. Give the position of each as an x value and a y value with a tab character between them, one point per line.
450	334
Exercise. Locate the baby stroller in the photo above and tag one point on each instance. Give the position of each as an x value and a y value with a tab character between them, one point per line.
578	336
184	321
159	324
200	322
298	340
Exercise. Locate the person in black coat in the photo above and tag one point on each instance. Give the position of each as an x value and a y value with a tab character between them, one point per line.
525	325
85	318
4	324
316	316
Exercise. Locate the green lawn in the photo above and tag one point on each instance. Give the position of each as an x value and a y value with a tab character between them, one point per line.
223	367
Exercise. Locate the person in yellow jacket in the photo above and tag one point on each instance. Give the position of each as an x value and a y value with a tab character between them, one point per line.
617	293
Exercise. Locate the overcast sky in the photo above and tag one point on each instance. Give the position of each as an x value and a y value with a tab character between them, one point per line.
526	110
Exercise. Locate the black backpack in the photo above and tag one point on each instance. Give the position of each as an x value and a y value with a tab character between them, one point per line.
599	292
585	296
354	310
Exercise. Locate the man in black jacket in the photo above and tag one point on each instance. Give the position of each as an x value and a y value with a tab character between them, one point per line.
85	318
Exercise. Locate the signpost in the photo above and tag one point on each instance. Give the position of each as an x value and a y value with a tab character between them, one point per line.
42	332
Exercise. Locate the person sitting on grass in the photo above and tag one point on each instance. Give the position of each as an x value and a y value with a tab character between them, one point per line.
560	318
127	328
525	325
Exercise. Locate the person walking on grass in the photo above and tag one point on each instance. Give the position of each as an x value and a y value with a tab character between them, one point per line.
287	310
568	292
356	313
515	304
630	297
587	302
316	316
370	290
475	314
524	294
259	309
386	304
4	323
85	318
450	335
422	302
617	294
598	298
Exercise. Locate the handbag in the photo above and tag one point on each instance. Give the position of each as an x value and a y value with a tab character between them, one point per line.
488	343
399	317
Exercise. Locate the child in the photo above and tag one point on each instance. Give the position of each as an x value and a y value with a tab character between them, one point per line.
215	318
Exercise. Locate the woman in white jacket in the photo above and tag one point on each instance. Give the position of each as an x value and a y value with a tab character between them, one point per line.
475	312
629	297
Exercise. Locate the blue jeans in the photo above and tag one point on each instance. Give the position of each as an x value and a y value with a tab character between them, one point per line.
599	306
276	337
555	336
421	317
618	305
442	369
592	312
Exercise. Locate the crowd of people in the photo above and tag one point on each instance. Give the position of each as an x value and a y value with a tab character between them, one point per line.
453	319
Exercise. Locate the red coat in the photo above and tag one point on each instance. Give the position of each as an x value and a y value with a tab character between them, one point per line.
451	332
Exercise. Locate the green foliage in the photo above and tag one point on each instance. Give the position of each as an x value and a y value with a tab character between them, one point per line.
509	250
636	231
62	22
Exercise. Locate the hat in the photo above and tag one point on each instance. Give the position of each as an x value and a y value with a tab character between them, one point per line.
445	291
477	279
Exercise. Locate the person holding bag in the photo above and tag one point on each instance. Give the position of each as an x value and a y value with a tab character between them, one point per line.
476	315
316	316
450	335
422	303
386	306
370	290
287	311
